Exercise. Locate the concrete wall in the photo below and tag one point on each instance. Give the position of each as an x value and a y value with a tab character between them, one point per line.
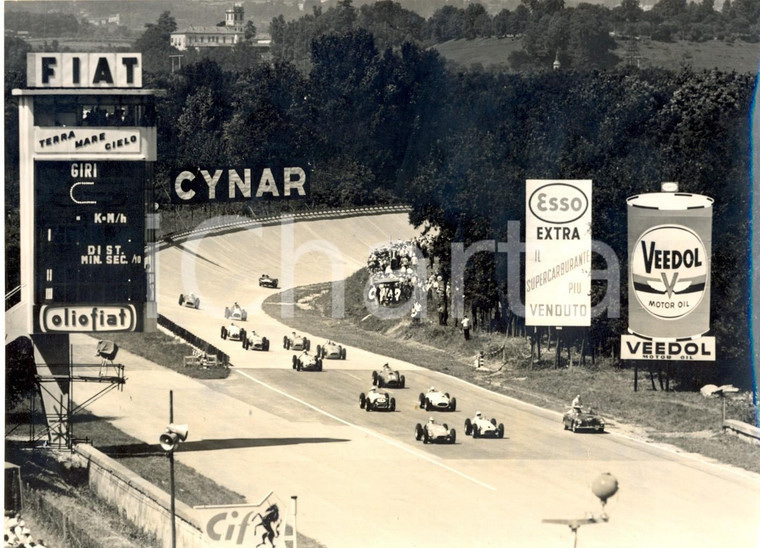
142	502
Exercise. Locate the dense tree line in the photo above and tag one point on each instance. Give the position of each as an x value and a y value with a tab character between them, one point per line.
579	37
377	124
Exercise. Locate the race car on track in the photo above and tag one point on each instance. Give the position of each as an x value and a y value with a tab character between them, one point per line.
252	341
190	300
295	342
331	351
377	401
388	378
235	312
479	427
266	281
576	419
233	332
433	432
307	362
438	401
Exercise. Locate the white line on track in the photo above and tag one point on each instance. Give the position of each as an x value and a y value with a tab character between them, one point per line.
371	433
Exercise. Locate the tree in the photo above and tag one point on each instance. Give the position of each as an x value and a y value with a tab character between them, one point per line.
155	43
250	31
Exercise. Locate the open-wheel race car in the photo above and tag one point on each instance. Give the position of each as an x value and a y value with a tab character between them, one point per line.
479	427
576	419
433	432
375	400
331	351
233	332
295	342
253	341
307	363
266	281
235	312
388	378
434	400
190	300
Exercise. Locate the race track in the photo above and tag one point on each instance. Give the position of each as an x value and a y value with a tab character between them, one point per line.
361	478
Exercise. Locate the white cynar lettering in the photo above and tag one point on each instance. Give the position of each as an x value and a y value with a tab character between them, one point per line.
267	184
181	192
297	183
243	184
212	182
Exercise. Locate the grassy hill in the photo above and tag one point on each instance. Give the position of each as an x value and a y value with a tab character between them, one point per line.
737	56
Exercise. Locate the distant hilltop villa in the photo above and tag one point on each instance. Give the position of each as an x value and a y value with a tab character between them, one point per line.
213	36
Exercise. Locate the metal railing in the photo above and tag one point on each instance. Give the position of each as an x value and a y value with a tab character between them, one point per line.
241	224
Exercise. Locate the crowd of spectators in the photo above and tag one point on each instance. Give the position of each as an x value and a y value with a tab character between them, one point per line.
16	533
395	266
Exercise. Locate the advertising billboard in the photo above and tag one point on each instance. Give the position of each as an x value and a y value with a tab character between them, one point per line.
669	247
558	253
669	255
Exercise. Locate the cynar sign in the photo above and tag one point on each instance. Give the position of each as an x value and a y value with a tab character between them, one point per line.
234	184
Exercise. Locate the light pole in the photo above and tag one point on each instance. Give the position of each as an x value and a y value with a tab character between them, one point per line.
604	487
169	440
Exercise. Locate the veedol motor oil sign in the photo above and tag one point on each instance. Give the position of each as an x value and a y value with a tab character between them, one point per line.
669	246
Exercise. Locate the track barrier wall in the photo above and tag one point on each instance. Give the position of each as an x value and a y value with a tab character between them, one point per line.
222	357
140	501
243	223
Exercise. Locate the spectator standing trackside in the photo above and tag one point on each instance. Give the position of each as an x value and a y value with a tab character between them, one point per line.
466	328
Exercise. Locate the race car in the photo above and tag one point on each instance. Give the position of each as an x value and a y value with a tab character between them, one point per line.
311	363
190	300
266	281
438	401
377	401
433	432
233	332
255	342
235	312
295	342
479	427
576	419
331	351
389	378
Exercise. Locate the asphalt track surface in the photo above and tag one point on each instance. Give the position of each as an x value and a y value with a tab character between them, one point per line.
360	477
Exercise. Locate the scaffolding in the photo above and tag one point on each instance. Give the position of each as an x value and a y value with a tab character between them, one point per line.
58	428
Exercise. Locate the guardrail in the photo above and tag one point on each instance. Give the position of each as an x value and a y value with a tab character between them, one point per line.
745	431
222	357
278	218
13	297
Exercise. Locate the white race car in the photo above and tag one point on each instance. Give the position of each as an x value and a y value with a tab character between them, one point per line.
309	363
235	312
479	427
387	377
331	351
190	300
438	401
233	332
255	342
433	432
296	342
377	401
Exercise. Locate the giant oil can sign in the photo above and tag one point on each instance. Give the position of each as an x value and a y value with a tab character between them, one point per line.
669	252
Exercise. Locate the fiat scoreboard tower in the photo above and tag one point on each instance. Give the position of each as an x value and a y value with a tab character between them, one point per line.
87	142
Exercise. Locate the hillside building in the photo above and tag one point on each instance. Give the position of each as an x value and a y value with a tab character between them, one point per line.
212	36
